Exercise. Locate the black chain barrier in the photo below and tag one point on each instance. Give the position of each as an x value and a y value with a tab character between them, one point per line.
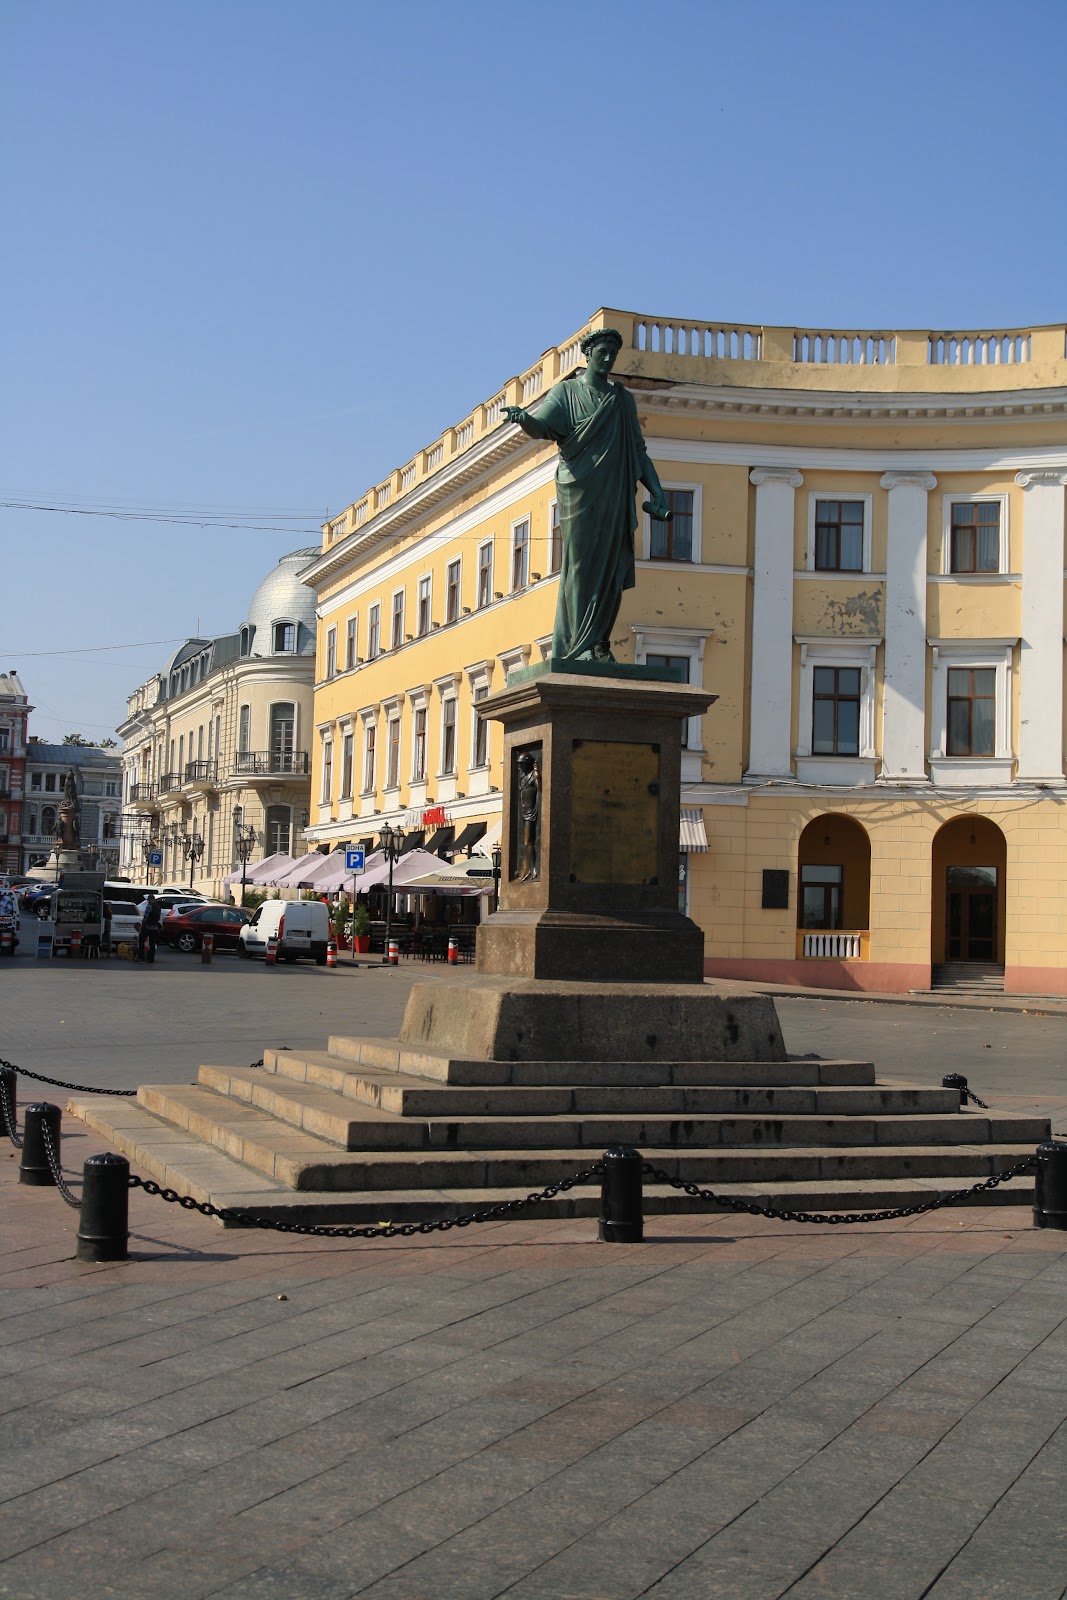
834	1218
969	1094
399	1230
81	1088
66	1194
9	1114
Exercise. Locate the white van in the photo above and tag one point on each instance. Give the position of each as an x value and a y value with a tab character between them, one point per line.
301	927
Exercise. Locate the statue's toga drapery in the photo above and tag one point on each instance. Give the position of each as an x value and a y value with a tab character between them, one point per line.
601	458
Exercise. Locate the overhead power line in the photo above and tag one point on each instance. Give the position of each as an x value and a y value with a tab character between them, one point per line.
241	521
91	649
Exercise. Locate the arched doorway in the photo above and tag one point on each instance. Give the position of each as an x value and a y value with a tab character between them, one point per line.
833	880
970	857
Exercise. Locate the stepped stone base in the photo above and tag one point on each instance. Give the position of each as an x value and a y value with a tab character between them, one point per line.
539	1020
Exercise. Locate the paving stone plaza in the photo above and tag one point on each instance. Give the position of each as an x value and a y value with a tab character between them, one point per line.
735	1408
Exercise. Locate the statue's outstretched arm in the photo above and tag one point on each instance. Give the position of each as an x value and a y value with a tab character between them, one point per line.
527	422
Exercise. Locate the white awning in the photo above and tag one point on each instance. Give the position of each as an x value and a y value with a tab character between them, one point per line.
691	835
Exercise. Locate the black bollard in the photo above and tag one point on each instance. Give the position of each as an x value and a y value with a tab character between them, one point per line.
35	1167
956	1080
8	1086
103	1223
621	1217
1050	1186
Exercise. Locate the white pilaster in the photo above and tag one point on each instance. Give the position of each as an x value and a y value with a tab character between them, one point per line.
771	697
1041	647
904	692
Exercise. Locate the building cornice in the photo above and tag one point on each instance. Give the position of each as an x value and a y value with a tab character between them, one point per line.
851	406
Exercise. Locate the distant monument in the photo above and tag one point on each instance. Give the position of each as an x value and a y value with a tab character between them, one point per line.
66	853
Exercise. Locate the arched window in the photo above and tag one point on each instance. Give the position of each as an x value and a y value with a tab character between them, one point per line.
48	820
284	638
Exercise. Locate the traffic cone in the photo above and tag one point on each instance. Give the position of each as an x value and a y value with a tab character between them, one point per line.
75	944
453	950
394	953
331	952
271	956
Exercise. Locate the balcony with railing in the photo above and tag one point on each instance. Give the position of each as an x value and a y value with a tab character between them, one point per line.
169	782
833	944
145	796
201	774
271	763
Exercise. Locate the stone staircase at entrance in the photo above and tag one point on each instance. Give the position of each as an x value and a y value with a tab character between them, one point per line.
374	1130
969	977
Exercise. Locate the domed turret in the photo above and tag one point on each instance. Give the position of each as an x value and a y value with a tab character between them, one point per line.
281	617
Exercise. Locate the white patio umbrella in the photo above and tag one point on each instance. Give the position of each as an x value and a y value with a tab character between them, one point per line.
259	871
335	875
454	878
292	876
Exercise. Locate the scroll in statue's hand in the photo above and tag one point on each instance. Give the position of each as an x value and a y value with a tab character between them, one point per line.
658	510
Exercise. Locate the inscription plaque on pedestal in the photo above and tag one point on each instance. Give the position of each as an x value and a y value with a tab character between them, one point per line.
615	800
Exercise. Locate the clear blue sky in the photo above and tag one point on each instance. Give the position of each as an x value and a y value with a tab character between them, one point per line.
257	252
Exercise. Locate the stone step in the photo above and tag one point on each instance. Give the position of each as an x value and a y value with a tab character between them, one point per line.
172	1157
304	1160
410	1096
390	1056
352	1126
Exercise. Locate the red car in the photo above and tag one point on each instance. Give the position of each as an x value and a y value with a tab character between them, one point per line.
186	930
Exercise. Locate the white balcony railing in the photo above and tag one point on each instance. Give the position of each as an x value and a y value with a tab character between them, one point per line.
837	946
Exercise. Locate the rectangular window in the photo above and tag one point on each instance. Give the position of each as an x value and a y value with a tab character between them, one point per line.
331	652
485	574
374	631
520	555
452	579
448	736
820	897
284	637
481	730
555	538
424	605
244	720
327	770
35	780
673	541
972	705
369	741
679	665
975	537
392	778
418	765
839	535
835	729
398	620
5	739
346	767
350	644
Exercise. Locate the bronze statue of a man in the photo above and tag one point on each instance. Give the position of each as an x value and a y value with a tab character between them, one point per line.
602	459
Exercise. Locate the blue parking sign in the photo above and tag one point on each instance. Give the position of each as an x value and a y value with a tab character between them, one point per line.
155	858
354	859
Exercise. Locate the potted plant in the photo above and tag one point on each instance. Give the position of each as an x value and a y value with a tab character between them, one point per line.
361	929
342	926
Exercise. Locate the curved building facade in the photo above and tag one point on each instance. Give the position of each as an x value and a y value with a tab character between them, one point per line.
865	565
220	739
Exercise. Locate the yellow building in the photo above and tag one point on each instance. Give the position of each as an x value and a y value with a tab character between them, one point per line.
220	741
866	565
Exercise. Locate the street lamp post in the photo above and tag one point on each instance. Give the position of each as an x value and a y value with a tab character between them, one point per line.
148	845
391	842
244	839
192	849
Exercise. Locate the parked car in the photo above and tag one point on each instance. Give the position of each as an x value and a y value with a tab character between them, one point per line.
186	930
125	923
301	927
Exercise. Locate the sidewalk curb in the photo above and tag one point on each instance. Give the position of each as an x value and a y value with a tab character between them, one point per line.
1024	1005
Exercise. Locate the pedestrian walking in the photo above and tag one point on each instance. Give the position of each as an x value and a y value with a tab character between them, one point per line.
148	933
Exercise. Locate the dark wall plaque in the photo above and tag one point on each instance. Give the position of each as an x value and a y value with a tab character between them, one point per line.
614	812
775	889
